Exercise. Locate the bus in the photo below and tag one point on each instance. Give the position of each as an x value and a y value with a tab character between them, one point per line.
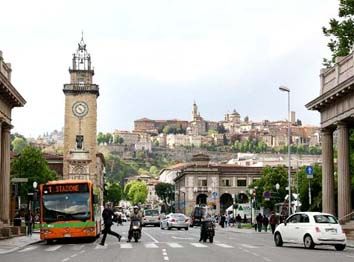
69	209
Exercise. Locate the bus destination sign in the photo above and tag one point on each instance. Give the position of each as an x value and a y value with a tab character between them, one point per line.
70	188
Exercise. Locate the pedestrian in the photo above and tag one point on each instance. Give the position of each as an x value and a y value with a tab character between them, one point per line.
227	220
259	220
222	221
29	222
107	216
244	219
238	221
265	223
273	221
119	220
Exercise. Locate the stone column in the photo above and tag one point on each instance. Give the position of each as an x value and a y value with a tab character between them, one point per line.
1	174
327	172
5	175
344	183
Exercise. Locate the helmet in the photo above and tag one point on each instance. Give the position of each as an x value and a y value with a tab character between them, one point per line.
135	207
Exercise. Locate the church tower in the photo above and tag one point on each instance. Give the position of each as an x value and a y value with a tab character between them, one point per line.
194	112
80	127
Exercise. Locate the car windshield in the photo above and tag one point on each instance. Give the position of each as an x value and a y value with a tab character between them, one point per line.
151	212
325	219
70	206
178	216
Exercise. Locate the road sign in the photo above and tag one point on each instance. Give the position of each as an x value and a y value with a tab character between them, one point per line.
19	180
266	195
309	172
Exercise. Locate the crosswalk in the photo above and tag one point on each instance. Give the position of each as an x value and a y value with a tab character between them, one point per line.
95	246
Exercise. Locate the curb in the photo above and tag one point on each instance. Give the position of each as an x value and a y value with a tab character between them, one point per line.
17	248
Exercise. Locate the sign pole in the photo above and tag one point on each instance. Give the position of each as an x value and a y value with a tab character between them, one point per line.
309	191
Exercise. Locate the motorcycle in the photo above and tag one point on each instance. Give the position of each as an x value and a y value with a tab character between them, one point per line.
136	227
209	231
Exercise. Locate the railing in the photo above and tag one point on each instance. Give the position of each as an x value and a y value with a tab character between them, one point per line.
351	215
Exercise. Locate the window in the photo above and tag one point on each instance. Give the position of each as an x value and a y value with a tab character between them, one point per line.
202	182
226	182
241	182
325	219
294	219
304	218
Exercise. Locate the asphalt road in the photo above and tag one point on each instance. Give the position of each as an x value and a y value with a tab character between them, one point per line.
179	246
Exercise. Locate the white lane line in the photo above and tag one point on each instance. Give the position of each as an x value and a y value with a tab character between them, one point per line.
77	248
100	247
267	259
184	238
127	245
248	246
150	236
53	248
198	245
151	245
165	258
255	254
73	255
174	245
223	245
28	249
65	259
82	251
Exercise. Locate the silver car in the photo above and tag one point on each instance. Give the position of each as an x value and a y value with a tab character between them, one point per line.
175	220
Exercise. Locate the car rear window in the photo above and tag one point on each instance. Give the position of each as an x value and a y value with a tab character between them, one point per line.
151	212
178	216
325	219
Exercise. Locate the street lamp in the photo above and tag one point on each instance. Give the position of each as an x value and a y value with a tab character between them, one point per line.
285	89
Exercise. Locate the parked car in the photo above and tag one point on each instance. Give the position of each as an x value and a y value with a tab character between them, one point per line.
175	220
311	229
151	217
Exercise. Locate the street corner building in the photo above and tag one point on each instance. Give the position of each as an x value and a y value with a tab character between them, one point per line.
9	98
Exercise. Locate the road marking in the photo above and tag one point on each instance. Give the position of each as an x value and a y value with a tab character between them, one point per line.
28	249
185	238
101	247
151	245
53	248
77	248
349	256
198	245
82	251
150	236
248	246
255	254
267	259
174	245
66	259
127	245
223	245
165	258
73	255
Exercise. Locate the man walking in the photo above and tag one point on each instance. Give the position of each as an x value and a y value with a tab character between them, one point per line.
107	216
273	221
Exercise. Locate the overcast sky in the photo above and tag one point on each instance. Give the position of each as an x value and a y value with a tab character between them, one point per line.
154	58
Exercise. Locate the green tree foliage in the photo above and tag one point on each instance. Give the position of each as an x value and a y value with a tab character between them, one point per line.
104	138
18	144
270	177
172	129
341	32
154	170
31	164
136	192
316	189
165	191
114	193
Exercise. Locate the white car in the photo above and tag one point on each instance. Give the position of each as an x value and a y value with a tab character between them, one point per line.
310	229
175	220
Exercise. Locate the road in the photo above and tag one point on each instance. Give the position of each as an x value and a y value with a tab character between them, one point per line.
179	246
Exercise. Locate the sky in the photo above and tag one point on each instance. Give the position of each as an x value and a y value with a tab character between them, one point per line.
154	58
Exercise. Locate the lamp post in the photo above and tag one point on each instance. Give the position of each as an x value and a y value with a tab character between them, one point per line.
35	184
285	89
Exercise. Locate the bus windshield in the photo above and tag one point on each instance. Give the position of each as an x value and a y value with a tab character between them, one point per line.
68	206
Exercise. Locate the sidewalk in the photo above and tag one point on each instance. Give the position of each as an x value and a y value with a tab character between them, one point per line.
350	243
15	243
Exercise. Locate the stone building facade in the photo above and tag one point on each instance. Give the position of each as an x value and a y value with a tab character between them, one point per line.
9	98
336	105
80	127
216	185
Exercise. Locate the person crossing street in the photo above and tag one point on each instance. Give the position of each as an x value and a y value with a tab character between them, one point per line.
107	216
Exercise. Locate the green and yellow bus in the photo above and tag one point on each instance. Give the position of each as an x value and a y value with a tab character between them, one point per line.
69	209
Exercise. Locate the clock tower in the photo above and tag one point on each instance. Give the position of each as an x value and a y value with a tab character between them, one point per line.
80	127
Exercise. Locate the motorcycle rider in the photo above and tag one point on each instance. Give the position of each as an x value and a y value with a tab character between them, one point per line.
205	220
136	216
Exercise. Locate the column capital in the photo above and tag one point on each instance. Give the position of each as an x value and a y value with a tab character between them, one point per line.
327	131
342	124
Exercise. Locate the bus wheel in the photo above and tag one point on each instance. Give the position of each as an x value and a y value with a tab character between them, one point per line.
50	241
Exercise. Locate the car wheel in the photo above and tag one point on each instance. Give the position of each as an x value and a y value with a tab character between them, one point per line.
186	228
339	247
308	242
278	240
179	228
168	227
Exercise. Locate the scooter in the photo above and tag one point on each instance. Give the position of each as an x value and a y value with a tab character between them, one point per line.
136	227
209	232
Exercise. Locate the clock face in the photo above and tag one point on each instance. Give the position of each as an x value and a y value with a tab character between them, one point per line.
80	109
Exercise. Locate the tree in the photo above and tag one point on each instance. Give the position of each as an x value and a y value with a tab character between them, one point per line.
31	164
114	193
270	177
340	32
18	144
166	192
136	192
100	138
316	189
154	170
